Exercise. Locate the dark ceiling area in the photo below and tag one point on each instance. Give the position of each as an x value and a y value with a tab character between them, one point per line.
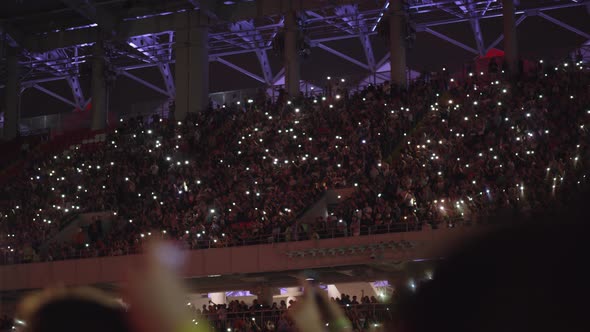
239	29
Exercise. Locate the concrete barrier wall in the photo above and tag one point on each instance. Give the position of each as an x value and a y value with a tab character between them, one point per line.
241	260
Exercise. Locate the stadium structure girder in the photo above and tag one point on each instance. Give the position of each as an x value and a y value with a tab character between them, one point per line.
144	37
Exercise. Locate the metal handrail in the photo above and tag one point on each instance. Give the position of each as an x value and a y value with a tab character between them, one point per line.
9	258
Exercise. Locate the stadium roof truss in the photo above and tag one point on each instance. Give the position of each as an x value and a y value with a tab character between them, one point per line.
147	40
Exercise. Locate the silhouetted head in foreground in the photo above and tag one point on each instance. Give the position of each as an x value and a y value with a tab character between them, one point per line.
76	310
532	276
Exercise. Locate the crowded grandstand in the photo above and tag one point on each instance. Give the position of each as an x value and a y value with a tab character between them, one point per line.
428	188
443	153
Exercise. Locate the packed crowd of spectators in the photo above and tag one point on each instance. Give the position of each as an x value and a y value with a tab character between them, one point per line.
227	176
243	173
364	313
485	148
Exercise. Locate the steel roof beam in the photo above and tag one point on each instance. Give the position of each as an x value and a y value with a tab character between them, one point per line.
350	14
451	40
462	4
342	55
247	31
230	42
158	24
74	84
159	55
240	69
564	25
105	20
51	59
329	21
248	9
145	83
168	79
170	43
384	60
145	24
488	6
434	5
494	15
276	31
450	11
368	49
278	76
213	56
29	83
128	28
54	95
150	46
11	36
382	76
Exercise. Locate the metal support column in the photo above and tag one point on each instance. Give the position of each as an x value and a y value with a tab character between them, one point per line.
368	48
199	69
397	45
510	42
265	65
471	10
192	66
99	88
478	36
182	49
77	93
292	74
12	98
501	37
